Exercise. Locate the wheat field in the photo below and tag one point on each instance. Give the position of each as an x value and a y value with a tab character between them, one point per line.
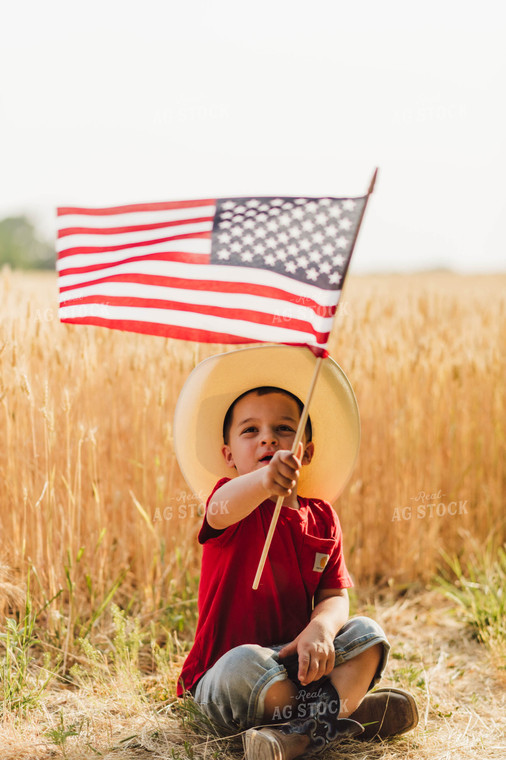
91	500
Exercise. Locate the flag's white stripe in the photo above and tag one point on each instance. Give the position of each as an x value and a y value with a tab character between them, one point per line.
187	245
120	238
133	218
282	311
208	272
237	327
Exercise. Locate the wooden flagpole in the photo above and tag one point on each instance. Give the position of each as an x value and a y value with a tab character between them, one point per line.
303	418
295	446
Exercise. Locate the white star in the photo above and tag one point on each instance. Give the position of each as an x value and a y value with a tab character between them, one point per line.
285	219
331	230
238	218
307	225
341	242
324	202
318	237
252	203
282	254
240	209
298	213
247	256
262	217
328	249
236	231
335	211
259	248
225	224
321	218
283	237
287	205
305	244
248	224
315	256
260	232
264	207
293	249
248	239
274	211
223	253
277	202
271	243
250	212
312	274
270	259
335	278
303	262
290	266
295	232
348	205
311	206
236	246
228	205
226	215
224	237
325	267
300	201
339	259
345	224
272	225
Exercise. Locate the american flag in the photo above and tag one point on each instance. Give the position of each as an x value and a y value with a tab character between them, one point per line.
226	270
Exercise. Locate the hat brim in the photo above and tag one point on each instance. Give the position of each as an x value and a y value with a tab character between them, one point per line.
216	382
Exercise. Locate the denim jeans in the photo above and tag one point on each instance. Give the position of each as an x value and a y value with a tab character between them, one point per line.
232	692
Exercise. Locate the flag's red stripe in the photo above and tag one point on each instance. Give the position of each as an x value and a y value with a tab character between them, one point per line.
167	331
180	256
164	206
213	285
125	246
134	228
246	315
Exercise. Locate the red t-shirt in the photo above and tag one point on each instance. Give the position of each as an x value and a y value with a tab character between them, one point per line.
306	554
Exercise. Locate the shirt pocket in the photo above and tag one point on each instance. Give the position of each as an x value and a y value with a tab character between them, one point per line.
315	553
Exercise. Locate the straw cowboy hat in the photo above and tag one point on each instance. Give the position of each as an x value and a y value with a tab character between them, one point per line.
215	384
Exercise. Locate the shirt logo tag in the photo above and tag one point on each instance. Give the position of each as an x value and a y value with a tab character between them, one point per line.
320	562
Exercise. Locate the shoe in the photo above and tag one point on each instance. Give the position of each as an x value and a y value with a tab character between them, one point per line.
272	744
316	727
276	744
386	712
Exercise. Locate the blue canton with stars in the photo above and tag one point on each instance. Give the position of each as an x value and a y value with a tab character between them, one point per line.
308	239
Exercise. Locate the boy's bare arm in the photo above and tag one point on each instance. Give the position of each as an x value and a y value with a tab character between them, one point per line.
315	644
241	495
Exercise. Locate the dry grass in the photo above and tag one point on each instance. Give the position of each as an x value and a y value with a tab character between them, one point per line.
461	700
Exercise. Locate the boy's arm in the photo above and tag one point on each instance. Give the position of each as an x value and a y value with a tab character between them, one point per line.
240	496
315	644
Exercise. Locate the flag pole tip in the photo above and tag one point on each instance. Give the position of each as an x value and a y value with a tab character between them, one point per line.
373	181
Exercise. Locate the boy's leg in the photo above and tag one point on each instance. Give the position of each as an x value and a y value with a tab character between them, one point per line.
361	655
235	692
232	692
351	679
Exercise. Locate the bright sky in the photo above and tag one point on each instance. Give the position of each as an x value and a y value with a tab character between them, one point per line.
113	101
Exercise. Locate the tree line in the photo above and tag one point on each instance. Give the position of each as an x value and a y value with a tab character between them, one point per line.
22	247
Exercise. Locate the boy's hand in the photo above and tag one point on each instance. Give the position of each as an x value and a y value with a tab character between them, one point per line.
315	649
280	476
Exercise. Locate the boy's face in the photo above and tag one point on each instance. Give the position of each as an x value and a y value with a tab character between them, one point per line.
261	425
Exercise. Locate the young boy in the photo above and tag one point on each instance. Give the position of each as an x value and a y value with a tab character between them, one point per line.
285	654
